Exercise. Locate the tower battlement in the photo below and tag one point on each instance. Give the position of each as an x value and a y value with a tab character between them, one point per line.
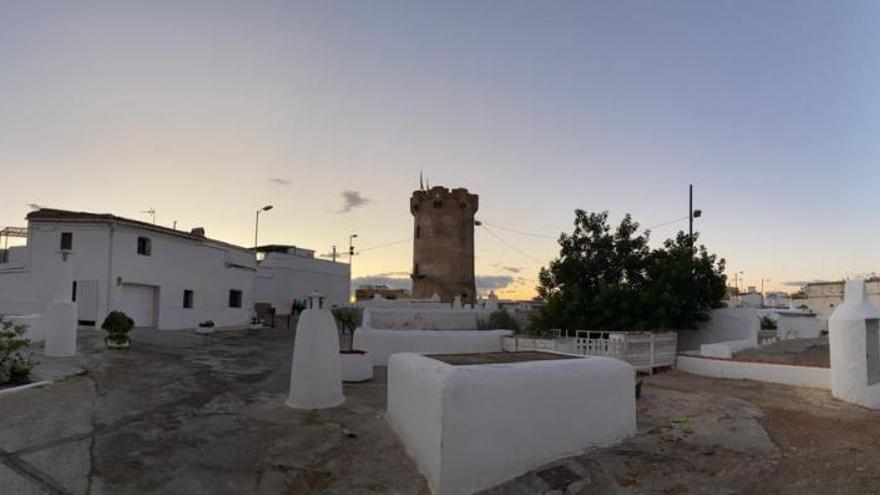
449	198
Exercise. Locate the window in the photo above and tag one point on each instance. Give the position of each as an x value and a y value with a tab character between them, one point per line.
187	299
234	298
145	246
73	293
438	204
66	241
418	231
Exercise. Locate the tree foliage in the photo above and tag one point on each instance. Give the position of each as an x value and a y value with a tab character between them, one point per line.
498	320
610	279
16	360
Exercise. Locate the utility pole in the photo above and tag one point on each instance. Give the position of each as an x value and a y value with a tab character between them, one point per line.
691	214
334	253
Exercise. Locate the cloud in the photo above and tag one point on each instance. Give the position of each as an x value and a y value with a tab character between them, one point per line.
352	200
512	269
34	206
278	181
493	282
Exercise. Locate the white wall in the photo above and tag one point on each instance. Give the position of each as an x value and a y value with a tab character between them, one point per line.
282	278
801	376
726	324
794	324
383	343
447	318
472	427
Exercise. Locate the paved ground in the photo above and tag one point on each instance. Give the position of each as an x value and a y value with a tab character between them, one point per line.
189	414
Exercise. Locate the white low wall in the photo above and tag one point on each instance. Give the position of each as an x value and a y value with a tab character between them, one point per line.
801	376
724	325
426	318
472	427
382	343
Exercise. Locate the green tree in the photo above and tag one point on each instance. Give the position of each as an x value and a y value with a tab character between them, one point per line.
609	279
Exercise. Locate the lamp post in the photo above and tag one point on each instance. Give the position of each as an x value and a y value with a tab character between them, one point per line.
257	224
692	214
351	257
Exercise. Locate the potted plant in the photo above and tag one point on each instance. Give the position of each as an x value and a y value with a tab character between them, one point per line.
356	365
117	325
205	327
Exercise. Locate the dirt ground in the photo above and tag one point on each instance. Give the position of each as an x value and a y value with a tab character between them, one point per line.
705	435
826	445
801	352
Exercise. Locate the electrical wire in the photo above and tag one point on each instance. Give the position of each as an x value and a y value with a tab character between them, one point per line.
387	244
511	246
542	236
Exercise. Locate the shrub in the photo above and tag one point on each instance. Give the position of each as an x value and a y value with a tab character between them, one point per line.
498	320
767	323
117	324
348	320
15	360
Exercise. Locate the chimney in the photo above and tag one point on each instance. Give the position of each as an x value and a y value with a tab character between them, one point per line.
198	231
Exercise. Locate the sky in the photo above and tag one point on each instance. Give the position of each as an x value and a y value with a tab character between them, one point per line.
206	111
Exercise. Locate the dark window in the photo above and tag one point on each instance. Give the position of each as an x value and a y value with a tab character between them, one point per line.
234	298
73	292
438	204
418	231
416	269
187	299
67	241
145	246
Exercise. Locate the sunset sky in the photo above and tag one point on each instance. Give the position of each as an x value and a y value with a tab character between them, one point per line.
206	111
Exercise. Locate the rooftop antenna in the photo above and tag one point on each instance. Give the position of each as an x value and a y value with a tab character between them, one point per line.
421	182
152	213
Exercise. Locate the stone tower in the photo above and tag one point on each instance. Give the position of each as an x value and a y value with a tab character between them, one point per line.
443	245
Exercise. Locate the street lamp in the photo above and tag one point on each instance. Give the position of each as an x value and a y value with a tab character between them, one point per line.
257	224
351	256
692	214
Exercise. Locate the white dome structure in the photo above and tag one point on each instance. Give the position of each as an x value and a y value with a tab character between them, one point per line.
315	377
854	340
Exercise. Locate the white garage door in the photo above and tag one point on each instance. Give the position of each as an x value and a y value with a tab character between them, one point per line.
138	302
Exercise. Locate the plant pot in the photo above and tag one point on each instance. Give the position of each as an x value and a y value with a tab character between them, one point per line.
204	330
356	366
118	343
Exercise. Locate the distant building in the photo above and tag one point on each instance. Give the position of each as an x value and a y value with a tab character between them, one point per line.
289	273
781	300
443	244
366	292
823	297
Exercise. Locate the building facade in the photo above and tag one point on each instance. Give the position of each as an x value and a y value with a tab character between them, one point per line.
288	273
443	244
161	277
822	298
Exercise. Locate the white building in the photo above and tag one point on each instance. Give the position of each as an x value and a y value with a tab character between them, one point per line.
288	273
161	277
781	300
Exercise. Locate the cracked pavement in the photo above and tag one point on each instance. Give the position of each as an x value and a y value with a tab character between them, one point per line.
184	413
